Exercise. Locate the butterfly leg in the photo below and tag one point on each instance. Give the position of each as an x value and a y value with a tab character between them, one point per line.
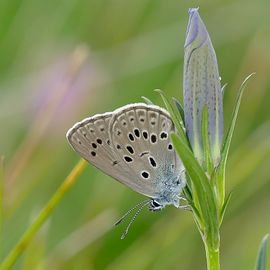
185	207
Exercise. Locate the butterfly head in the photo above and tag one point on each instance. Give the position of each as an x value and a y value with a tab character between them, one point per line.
159	204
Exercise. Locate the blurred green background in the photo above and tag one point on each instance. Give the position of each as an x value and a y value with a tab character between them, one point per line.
61	61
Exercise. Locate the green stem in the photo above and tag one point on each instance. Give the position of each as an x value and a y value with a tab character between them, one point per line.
1	201
1	192
212	257
43	216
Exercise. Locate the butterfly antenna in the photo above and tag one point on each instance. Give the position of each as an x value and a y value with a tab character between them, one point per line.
133	219
129	211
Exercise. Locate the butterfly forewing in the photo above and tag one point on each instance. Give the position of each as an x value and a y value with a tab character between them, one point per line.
90	138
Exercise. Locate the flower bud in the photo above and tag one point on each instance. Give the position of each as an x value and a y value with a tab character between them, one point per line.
202	88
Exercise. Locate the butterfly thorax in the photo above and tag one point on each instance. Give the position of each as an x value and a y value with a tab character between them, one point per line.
171	189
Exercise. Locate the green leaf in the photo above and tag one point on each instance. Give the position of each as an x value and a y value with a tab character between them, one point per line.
147	100
220	172
175	115
228	139
188	193
204	191
179	108
261	259
198	218
224	207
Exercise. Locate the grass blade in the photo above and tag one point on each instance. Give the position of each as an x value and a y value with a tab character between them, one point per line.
261	259
43	216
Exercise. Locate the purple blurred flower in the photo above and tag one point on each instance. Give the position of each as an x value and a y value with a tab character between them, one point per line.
202	88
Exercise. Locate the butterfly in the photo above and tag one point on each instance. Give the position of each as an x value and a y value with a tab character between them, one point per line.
132	145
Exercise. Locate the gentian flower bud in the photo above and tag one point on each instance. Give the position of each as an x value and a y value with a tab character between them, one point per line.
202	89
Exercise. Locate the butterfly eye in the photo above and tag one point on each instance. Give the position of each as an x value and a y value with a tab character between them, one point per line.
155	203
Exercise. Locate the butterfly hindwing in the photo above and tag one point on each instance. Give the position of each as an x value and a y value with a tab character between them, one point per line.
140	136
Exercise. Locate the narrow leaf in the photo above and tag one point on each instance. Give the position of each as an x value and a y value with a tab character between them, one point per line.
189	197
175	116
147	100
197	215
224	207
220	171
188	193
180	109
228	139
202	187
261	259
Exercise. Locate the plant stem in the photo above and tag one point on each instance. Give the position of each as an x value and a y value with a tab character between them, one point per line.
212	257
1	192
43	216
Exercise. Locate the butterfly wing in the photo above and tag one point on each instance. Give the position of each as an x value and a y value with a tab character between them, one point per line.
90	138
140	137
130	144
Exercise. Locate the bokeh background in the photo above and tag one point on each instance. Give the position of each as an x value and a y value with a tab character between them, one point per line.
61	61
